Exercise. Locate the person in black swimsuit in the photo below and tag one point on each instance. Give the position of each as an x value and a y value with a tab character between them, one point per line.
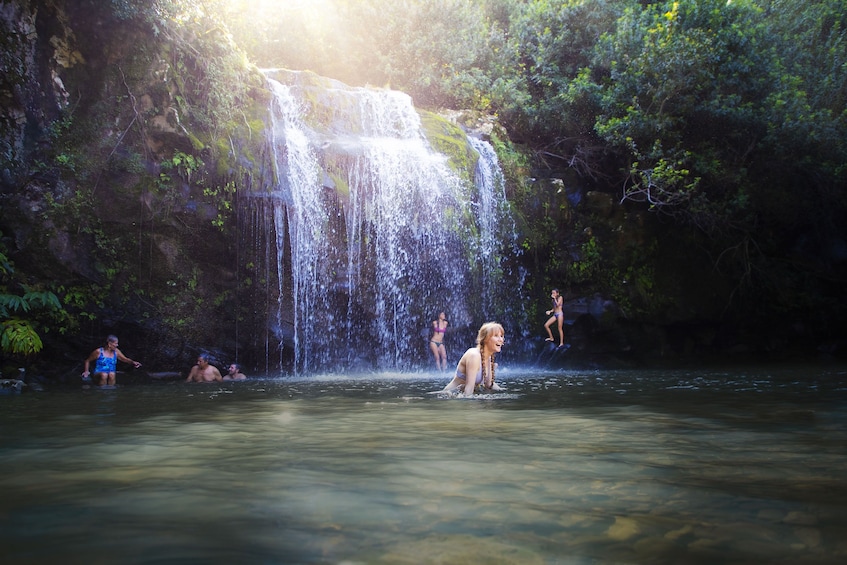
436	342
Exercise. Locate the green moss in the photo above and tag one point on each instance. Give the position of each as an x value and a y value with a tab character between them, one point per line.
196	144
224	165
256	126
449	139
342	188
331	110
514	160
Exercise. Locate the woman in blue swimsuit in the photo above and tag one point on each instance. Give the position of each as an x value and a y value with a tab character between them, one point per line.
106	361
436	342
477	366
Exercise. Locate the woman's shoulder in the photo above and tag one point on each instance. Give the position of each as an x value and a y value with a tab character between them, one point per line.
472	352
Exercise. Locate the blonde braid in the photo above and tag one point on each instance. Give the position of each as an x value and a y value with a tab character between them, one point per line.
484	367
481	348
483	334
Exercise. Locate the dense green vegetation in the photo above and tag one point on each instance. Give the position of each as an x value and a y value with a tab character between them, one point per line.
687	160
727	118
24	311
114	200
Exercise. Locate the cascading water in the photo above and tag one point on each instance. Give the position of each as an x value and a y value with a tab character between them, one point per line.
376	232
497	236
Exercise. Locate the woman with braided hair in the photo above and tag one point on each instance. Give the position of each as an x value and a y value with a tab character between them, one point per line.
476	367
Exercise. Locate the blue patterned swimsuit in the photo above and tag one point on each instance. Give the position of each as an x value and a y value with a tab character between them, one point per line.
106	364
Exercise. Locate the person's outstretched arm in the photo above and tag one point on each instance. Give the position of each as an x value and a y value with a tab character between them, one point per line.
126	359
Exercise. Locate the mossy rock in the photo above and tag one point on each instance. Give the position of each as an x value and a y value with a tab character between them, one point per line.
449	139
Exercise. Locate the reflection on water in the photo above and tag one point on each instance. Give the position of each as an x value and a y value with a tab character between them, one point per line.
577	468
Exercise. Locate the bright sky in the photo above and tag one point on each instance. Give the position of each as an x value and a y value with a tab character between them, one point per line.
316	16
316	9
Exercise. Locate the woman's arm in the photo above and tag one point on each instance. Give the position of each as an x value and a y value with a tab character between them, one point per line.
472	365
88	360
126	359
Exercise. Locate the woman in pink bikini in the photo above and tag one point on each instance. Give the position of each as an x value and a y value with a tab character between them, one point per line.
436	342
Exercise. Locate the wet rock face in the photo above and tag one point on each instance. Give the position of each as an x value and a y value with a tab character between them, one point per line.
88	113
37	45
17	60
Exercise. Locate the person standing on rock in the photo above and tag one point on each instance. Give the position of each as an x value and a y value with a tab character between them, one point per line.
556	315
106	361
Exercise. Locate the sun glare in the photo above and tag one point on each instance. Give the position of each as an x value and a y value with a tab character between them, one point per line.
316	17
297	34
261	9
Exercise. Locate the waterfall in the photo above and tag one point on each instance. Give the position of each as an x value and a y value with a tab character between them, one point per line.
497	235
376	232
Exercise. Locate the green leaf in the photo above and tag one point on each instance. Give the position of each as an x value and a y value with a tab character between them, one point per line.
19	338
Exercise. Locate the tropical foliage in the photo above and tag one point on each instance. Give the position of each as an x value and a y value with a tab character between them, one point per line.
723	121
23	311
706	110
727	117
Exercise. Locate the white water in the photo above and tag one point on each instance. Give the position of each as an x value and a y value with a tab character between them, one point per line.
497	230
376	233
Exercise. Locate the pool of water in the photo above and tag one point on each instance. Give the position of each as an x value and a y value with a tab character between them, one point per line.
713	466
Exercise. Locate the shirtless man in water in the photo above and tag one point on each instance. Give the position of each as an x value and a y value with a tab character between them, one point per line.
234	373
203	372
